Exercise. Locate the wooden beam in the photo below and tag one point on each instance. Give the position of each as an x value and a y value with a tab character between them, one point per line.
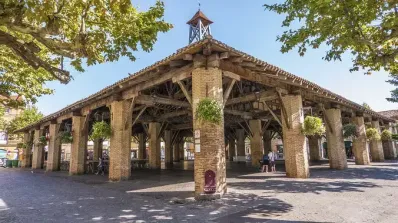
236	59
224	55
174	138
181	76
247	64
175	114
283	108
162	128
152	100
228	91
156	81
177	63
138	116
262	96
246	115
328	123
247	132
185	91
272	113
265	126
231	75
130	111
187	56
181	126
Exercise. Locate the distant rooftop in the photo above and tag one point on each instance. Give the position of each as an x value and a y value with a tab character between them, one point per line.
393	114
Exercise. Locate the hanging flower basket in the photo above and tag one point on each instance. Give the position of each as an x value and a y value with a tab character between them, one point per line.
66	137
209	110
372	134
313	126
101	130
350	130
21	145
386	135
42	141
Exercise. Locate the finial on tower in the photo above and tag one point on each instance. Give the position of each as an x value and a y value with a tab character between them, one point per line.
199	26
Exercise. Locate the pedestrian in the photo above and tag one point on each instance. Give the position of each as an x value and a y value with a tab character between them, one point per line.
265	163
272	157
100	166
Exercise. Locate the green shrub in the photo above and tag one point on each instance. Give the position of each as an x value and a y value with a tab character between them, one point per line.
386	135
350	130
66	137
101	130
209	110
313	126
372	134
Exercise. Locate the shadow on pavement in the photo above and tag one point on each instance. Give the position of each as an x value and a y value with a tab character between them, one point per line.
376	173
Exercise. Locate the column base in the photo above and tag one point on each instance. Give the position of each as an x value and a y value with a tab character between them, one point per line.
208	197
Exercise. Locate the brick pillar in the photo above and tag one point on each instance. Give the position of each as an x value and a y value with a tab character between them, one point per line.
376	147
335	140
256	142
231	149
79	145
240	146
294	142
209	152
54	148
38	151
176	152
359	147
388	146
97	149
154	145
141	146
181	150
120	154
168	150
27	152
267	141
314	143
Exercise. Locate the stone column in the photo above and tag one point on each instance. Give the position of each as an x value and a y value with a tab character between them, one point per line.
314	143
27	151
54	148
79	145
376	147
141	146
209	152
154	145
267	141
294	142
38	151
97	149
256	142
181	150
168	150
388	146
359	148
232	149
241	153
120	154
176	152
335	140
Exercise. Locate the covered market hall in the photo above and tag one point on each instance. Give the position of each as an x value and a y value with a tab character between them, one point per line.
159	104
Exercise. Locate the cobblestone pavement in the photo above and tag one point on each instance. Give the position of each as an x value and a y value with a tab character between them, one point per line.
358	194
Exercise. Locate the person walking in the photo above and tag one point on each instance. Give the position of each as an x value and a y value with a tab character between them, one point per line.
272	157
100	166
265	163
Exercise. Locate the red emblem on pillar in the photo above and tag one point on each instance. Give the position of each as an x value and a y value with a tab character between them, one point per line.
210	182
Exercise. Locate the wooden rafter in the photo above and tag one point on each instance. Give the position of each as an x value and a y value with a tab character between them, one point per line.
139	114
283	108
265	126
149	100
272	113
145	127
244	128
328	124
130	113
185	91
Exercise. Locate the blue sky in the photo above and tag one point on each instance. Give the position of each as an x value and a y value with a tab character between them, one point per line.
243	25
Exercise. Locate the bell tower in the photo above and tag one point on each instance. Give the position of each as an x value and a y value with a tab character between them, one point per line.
199	27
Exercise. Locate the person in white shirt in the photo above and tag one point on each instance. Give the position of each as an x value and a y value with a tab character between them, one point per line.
272	157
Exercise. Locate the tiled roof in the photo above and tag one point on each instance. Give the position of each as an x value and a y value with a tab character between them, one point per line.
195	47
199	15
390	114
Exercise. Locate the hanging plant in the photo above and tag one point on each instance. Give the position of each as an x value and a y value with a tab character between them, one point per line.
66	137
21	145
386	135
372	134
42	141
101	130
209	110
350	130
313	126
394	137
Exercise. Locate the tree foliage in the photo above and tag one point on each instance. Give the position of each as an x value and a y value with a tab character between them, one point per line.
37	37
27	117
367	106
372	134
386	135
313	126
350	130
209	110
368	29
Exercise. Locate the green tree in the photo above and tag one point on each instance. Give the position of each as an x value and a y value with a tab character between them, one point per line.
366	106
38	37
368	29
28	116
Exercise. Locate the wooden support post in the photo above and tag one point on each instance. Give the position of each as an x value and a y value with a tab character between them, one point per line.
185	91
228	91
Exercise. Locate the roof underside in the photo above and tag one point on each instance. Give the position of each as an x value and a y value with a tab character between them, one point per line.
273	73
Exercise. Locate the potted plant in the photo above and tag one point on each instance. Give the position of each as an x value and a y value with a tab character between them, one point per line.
372	134
313	126
208	110
386	135
101	130
66	137
42	141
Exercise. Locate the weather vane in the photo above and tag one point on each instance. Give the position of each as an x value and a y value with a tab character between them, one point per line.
199	4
